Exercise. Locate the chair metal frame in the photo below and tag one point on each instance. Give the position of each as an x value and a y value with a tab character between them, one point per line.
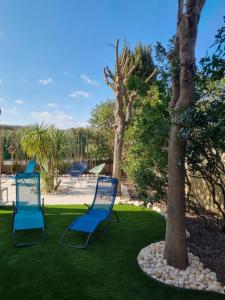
107	219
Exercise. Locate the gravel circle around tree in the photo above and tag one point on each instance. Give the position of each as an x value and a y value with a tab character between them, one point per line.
195	276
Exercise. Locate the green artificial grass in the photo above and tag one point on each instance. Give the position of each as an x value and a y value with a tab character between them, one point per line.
107	269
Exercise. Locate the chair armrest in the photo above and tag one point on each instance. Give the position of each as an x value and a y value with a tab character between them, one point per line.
88	206
14	207
43	203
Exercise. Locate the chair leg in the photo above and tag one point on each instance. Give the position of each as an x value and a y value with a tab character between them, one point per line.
77	246
116	215
106	229
16	244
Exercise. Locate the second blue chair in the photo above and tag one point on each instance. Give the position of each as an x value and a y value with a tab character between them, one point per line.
77	169
100	210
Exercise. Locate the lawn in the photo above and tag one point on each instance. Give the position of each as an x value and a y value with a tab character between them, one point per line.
107	270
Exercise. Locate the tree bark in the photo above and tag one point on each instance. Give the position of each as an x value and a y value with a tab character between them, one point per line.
1	162
176	248
117	156
183	96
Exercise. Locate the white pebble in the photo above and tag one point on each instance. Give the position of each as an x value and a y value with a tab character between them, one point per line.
152	262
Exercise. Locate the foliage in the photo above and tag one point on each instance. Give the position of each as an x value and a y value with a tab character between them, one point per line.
142	57
76	142
146	159
205	131
163	67
203	126
212	67
102	116
145	155
45	144
12	138
94	143
101	133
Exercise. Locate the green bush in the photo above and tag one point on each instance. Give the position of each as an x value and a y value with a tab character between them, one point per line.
145	158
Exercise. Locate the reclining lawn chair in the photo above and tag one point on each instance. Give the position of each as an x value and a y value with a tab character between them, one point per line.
100	210
77	169
97	170
28	211
30	168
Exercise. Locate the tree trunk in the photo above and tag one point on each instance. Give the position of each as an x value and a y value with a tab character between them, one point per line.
1	162
176	248
117	155
183	96
119	122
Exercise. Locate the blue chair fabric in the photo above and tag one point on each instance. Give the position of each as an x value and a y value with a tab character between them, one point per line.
28	210
100	210
77	169
30	167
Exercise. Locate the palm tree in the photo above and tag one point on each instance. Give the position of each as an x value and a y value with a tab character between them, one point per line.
45	145
57	145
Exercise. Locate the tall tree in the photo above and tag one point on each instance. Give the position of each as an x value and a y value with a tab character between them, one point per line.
182	59
118	81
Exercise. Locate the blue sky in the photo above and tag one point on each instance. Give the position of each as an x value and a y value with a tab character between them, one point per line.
52	52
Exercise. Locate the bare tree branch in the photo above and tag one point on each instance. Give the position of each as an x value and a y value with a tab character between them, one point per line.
109	78
151	76
131	70
117	56
124	56
125	64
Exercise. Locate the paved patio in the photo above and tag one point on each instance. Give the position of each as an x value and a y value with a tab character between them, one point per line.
69	192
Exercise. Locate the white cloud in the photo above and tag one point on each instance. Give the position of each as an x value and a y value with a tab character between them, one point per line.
76	94
2	35
58	118
45	81
51	104
19	101
1	81
2	100
9	111
89	80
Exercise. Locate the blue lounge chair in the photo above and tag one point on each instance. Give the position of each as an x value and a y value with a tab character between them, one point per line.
28	211
77	169
30	167
100	210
